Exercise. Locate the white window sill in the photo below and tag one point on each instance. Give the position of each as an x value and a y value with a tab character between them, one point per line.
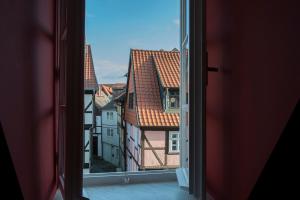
115	178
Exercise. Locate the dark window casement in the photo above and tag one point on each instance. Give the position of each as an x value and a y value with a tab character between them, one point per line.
130	105
173	99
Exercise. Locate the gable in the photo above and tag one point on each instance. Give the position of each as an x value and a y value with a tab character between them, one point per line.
130	114
149	107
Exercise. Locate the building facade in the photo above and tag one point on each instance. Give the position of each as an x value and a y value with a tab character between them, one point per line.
110	136
152	110
90	88
109	102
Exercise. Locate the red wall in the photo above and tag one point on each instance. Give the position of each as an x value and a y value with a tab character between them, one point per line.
26	85
250	100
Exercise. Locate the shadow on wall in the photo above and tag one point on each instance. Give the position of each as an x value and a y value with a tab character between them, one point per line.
10	181
279	176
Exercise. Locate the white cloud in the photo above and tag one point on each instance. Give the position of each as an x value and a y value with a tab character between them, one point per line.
108	71
176	22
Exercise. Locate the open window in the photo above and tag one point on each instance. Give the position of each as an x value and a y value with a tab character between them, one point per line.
189	140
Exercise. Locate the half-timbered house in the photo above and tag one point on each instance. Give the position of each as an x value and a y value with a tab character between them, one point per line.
152	110
90	88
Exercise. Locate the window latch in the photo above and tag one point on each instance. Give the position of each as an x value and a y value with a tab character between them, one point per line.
212	69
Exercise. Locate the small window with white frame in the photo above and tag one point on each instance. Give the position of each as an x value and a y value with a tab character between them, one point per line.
110	132
174	142
109	115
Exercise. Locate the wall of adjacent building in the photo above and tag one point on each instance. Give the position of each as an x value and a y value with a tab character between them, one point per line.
130	114
27	82
159	139
99	133
110	143
249	101
88	117
133	145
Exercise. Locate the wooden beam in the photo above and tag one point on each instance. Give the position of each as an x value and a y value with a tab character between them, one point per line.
161	167
166	147
155	154
155	148
136	162
142	148
87	107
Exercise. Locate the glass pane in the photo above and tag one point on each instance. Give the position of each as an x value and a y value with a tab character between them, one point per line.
115	125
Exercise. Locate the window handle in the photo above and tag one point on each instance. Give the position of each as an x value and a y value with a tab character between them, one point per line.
208	69
212	69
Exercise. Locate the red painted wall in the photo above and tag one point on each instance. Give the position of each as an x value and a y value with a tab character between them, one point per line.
249	101
26	85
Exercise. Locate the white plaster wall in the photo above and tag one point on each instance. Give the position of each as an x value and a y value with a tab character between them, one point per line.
111	154
110	143
106	121
86	140
134	147
88	117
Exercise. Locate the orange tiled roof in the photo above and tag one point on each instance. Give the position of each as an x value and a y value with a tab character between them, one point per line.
106	89
146	64
90	80
167	64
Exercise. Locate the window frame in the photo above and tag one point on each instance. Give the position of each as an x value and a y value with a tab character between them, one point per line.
73	168
170	144
111	115
177	99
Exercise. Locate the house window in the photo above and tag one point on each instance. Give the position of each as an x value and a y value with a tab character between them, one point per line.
173	142
130	105
109	115
173	99
110	132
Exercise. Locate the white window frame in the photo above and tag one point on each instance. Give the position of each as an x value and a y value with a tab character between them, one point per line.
110	132
171	139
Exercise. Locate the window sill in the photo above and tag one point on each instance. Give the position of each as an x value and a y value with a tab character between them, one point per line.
116	178
170	110
173	153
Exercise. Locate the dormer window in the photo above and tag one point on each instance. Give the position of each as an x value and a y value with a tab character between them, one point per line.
172	99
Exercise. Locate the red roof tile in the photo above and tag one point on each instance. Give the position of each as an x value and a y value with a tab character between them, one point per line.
167	64
148	65
90	80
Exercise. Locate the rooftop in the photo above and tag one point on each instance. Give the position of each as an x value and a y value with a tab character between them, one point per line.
149	68
90	80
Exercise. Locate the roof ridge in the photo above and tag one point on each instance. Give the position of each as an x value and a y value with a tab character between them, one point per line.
151	50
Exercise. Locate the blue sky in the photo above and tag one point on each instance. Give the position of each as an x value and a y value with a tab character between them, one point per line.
115	26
